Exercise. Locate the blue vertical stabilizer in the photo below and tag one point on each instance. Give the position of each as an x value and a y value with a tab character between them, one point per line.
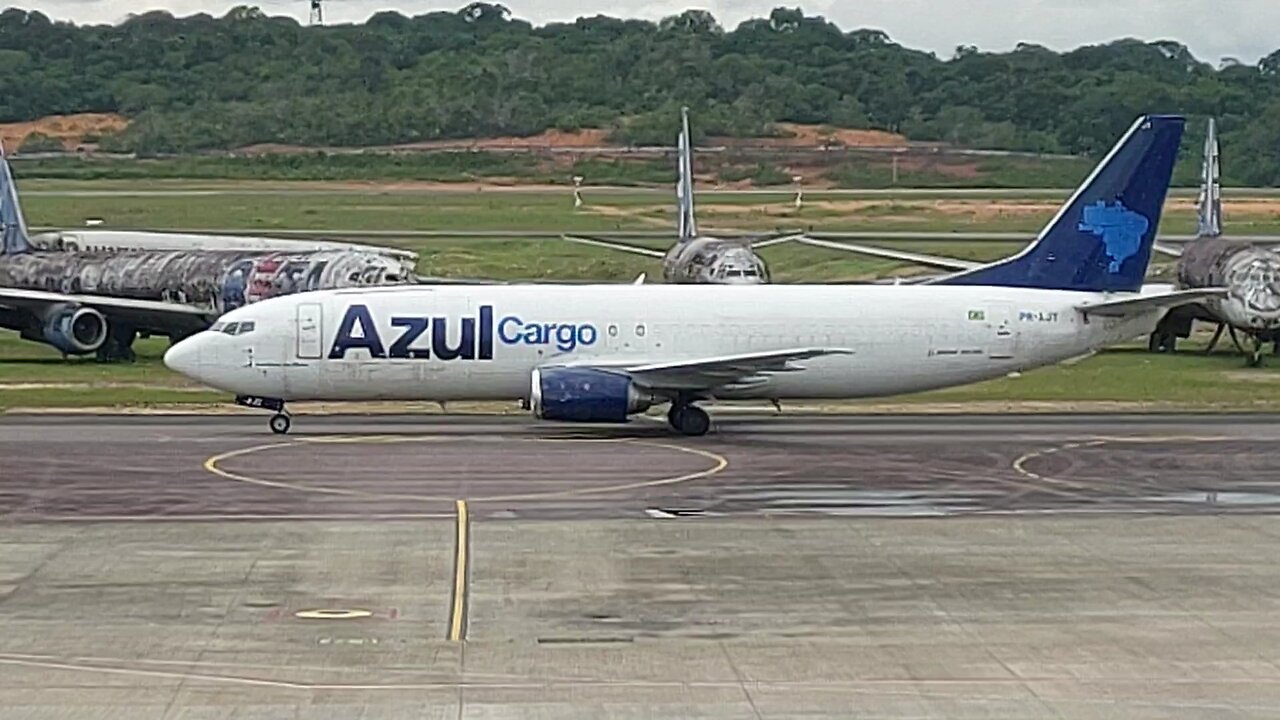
1101	239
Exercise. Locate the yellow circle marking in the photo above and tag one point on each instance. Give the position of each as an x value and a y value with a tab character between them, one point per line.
1019	465
211	465
332	614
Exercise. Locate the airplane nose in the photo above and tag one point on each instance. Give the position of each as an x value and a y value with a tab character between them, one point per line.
183	357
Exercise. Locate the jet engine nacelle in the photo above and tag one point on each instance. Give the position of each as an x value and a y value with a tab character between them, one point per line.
585	395
75	330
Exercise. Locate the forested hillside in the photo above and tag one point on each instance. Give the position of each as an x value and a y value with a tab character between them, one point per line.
200	82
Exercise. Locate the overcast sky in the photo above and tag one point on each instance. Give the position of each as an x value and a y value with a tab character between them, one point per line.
1213	29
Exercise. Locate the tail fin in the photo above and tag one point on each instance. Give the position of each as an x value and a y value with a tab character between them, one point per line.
13	238
1101	239
684	186
1210	202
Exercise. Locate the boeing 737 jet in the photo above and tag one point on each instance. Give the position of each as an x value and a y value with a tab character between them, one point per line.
699	258
601	353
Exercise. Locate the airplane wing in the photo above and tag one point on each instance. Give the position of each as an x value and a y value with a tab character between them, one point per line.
943	263
435	280
714	372
771	240
1146	303
142	314
613	245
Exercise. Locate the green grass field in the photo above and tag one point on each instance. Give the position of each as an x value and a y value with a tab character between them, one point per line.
383	210
33	375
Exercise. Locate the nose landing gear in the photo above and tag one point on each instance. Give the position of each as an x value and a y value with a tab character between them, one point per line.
280	422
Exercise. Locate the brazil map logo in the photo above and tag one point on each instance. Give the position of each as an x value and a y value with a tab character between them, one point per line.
1120	228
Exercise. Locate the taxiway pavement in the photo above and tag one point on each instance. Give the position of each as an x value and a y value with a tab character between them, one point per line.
1031	566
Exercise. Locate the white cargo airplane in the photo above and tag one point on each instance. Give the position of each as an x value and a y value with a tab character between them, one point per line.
600	353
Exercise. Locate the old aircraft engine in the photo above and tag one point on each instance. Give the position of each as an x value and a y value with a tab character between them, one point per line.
585	395
75	330
1250	273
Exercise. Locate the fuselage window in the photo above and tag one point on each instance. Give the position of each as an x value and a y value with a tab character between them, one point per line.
640	330
613	331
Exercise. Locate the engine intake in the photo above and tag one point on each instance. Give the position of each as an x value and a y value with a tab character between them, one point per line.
585	395
75	330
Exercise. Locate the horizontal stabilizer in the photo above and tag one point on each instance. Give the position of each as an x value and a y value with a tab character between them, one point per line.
942	263
1135	304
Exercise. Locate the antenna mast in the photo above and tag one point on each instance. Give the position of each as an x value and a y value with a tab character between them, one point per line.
317	14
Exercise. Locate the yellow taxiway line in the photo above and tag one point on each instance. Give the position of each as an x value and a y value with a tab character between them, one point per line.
461	560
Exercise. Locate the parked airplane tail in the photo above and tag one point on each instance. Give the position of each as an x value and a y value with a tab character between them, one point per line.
1101	239
13	239
684	185
1209	206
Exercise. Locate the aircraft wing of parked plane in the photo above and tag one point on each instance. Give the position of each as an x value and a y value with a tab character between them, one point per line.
756	243
934	261
80	323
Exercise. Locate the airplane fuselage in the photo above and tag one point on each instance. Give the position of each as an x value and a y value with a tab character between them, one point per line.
1250	272
220	280
483	343
712	260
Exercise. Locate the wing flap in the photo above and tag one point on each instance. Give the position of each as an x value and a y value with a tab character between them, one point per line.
1146	303
713	372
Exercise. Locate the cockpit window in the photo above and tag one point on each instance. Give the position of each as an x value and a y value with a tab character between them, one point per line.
217	327
230	328
246	327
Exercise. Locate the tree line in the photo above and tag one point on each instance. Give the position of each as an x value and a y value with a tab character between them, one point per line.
202	83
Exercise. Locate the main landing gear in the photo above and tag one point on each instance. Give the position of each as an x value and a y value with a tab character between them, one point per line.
688	419
280	422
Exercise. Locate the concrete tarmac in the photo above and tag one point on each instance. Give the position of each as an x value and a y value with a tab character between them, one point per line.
1072	566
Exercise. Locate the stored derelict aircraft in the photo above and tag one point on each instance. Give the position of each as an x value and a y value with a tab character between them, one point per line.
1248	269
698	258
599	353
97	302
